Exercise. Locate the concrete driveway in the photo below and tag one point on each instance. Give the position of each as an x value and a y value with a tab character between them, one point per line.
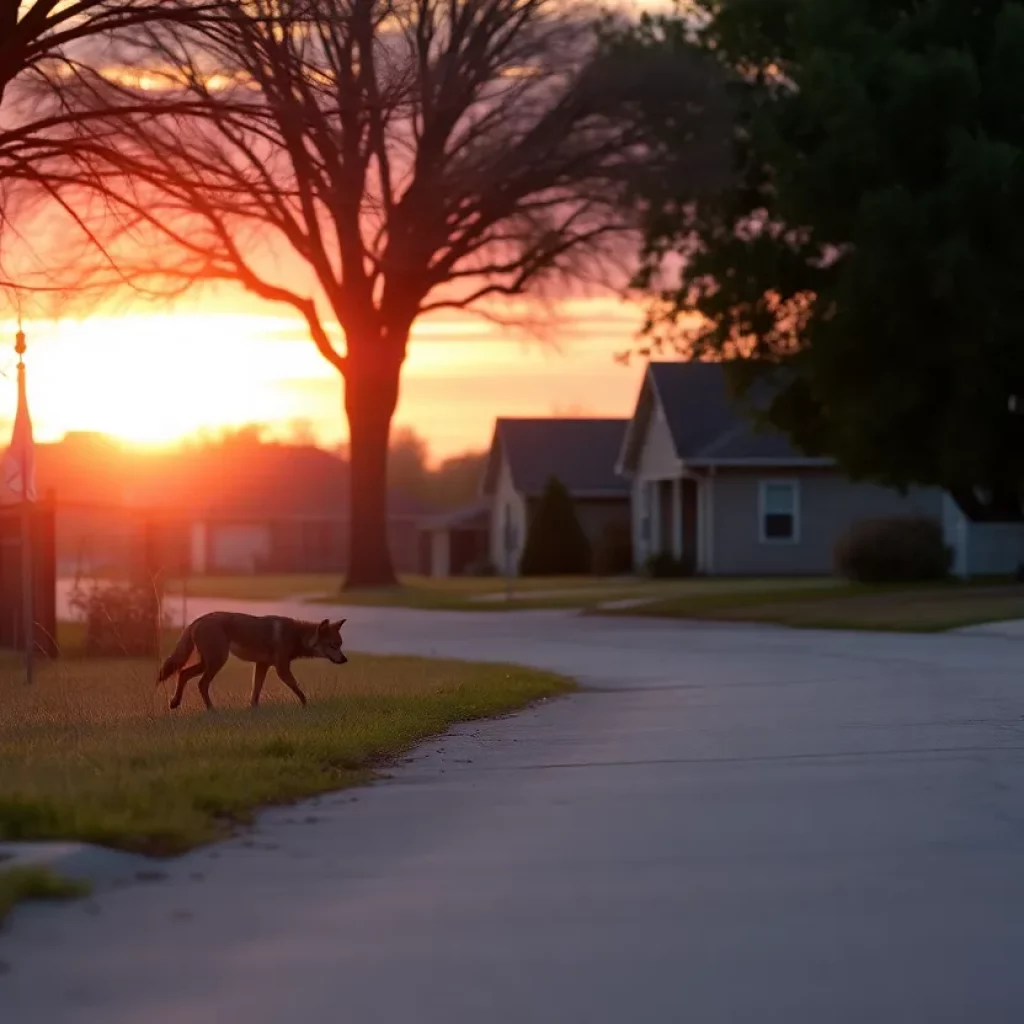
733	824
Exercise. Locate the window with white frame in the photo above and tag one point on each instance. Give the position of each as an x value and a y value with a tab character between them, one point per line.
779	511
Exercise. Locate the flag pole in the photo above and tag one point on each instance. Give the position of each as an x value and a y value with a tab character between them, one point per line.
28	616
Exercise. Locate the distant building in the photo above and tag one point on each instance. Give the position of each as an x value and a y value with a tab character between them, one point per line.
231	508
285	509
711	489
526	453
457	542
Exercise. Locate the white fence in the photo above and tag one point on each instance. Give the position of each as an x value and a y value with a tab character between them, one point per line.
981	549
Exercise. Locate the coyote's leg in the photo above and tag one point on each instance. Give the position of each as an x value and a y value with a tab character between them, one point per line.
183	677
259	673
284	670
213	666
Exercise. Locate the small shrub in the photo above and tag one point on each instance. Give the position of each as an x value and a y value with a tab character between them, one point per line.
119	619
898	549
555	542
613	552
664	565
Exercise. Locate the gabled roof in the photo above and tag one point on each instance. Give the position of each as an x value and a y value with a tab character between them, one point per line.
581	453
707	423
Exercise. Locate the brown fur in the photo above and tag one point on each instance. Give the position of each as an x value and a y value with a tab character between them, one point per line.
265	640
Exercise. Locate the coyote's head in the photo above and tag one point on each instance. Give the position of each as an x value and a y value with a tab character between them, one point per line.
326	642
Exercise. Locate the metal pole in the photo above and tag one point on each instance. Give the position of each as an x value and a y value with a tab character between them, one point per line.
28	605
28	617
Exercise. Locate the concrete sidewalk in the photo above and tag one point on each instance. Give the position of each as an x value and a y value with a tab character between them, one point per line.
733	824
1011	629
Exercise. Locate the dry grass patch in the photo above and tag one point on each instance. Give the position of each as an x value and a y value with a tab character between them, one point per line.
91	752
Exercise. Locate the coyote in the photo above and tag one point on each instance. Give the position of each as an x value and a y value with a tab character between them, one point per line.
264	639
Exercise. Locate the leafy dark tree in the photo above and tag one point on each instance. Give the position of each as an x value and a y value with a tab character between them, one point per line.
555	542
865	254
369	161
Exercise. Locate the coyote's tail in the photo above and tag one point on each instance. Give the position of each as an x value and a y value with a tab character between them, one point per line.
176	660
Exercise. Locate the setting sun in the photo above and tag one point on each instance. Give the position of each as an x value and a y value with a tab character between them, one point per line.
159	378
156	379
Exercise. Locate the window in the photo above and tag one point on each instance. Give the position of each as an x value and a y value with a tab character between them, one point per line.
779	511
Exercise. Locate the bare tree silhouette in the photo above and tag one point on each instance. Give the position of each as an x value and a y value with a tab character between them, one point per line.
41	41
408	156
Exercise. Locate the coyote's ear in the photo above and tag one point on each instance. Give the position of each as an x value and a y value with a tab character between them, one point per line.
324	626
337	625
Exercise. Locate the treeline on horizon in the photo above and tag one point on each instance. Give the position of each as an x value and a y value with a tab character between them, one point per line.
437	486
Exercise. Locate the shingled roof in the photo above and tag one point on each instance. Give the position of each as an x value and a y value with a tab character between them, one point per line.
707	424
581	453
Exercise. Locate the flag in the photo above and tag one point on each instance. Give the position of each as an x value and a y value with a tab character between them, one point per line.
20	456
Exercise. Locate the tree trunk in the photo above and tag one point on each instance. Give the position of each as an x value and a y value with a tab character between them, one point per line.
371	394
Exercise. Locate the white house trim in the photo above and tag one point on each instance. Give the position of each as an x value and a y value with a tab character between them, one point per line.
762	488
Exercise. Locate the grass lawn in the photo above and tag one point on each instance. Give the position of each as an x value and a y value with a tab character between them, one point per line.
35	883
254	588
414	591
91	752
801	602
584	592
914	609
473	593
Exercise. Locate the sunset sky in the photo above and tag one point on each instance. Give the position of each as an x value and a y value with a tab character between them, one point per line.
160	376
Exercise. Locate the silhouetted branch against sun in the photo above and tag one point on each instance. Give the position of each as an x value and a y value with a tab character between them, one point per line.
43	43
413	155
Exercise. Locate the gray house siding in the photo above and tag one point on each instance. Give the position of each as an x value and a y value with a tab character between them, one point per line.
596	515
526	453
658	461
827	504
508	523
658	458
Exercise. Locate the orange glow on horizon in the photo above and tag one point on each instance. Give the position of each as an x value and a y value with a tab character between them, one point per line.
160	378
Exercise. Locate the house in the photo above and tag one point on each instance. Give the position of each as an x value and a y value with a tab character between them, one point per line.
526	453
456	542
238	507
712	490
284	508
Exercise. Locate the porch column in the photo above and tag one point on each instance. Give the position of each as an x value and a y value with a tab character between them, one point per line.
654	517
709	527
677	518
